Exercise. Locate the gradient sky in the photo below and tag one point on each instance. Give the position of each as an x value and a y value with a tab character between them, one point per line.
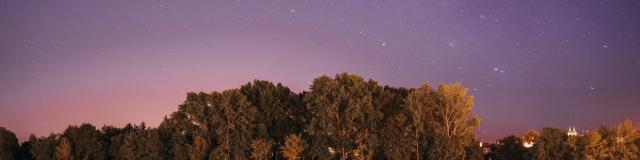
529	63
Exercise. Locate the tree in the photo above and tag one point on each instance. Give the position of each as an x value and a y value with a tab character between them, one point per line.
282	111
399	138
344	120
63	150
293	147
621	141
24	152
114	138
261	148
235	118
510	147
199	149
452	122
421	103
8	144
594	147
85	142
177	133
43	148
548	146
141	144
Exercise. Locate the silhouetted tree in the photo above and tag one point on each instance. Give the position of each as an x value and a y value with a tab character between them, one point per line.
548	146
43	148
509	148
141	144
8	144
85	142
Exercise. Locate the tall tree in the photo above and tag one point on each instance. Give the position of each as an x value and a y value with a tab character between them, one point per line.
549	145
594	146
8	144
398	125
141	144
293	148
86	142
343	118
232	119
452	122
421	103
399	138
63	150
622	140
43	148
281	111
177	133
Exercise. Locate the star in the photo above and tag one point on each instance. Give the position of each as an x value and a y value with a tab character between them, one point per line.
292	10
452	44
383	44
605	46
592	88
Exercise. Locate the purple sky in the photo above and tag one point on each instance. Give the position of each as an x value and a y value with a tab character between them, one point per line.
529	63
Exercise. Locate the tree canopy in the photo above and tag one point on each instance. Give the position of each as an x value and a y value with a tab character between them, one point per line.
339	117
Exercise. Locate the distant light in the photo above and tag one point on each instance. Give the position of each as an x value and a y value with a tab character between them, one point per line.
527	144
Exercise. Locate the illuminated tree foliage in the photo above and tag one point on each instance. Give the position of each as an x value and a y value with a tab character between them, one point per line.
341	117
261	149
293	147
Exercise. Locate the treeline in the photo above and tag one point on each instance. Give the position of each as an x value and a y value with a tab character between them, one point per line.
620	142
341	117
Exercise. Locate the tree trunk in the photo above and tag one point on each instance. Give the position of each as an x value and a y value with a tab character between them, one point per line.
417	145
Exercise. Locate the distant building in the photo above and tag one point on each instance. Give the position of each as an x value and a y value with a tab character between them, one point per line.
572	131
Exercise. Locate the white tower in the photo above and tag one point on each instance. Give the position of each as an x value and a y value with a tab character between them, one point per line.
572	131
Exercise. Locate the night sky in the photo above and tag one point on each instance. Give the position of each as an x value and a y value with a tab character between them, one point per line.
529	63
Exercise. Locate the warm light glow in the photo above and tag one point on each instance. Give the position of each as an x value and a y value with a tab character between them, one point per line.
527	144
